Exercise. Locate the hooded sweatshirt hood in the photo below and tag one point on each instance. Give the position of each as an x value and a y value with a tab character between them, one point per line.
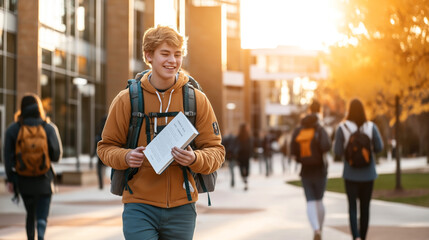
181	79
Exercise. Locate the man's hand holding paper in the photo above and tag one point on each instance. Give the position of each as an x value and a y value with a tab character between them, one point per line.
184	157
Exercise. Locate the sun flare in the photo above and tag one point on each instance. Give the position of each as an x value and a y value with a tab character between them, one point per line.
309	24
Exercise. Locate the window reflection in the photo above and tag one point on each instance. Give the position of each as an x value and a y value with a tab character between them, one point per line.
1	71
13	5
46	56
11	42
10	73
82	65
1	34
46	86
59	58
52	13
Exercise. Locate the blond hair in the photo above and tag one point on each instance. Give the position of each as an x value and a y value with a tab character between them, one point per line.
155	36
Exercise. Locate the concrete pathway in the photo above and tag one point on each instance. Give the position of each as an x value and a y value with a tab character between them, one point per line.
270	210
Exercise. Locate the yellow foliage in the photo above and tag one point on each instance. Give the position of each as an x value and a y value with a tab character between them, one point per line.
391	58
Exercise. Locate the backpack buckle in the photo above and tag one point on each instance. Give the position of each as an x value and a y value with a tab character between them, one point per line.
190	114
153	114
138	114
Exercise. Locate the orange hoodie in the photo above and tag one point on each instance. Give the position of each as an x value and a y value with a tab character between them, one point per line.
167	189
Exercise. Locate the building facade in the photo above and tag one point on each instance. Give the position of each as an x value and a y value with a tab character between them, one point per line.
283	83
78	54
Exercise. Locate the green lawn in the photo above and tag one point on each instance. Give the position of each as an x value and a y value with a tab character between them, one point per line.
415	188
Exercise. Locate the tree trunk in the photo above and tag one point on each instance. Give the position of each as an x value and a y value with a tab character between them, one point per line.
398	146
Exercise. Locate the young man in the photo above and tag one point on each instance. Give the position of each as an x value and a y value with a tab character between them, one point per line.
157	206
314	171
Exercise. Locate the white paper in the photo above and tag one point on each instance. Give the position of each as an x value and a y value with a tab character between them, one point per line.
178	133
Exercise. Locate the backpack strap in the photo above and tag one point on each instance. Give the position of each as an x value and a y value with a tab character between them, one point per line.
189	102
201	180
188	94
190	109
137	115
347	132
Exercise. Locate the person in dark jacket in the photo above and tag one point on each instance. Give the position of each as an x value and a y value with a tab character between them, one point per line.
36	192
314	177
230	144
358	182
245	151
101	168
268	153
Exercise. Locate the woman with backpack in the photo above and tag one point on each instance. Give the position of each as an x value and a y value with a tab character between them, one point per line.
358	178
31	144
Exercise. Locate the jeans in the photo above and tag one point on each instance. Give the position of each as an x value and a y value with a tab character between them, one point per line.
363	192
37	208
314	187
146	222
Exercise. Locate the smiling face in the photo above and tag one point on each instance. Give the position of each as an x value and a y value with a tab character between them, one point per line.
166	61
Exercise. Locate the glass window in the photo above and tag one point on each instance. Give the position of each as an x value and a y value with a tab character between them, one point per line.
100	94
53	14
59	59
11	42
82	65
10	108
1	36
91	68
1	71
72	17
86	21
86	126
59	115
46	56
13	5
46	86
70	133
72	59
10	73
138	35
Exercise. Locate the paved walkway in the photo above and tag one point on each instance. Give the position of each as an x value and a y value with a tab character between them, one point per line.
270	209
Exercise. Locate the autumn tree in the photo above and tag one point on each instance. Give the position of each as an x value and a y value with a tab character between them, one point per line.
384	57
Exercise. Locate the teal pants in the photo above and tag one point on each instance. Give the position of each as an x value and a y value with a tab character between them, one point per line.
146	222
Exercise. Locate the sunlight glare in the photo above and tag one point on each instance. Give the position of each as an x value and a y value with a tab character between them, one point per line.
309	24
165	13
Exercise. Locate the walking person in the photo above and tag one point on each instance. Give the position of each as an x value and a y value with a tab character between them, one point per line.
230	143
359	181
245	151
268	153
258	150
31	144
101	168
284	152
309	144
158	206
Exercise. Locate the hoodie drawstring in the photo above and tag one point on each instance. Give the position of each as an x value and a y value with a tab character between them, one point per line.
160	110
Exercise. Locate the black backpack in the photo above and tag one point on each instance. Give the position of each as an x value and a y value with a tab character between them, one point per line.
309	153
120	178
358	149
